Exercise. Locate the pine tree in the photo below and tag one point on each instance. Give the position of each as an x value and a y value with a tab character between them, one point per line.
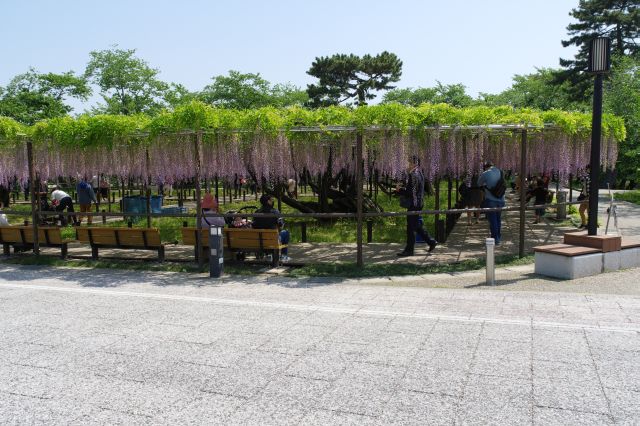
617	19
346	77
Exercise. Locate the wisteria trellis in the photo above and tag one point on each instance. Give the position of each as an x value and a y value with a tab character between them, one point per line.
454	152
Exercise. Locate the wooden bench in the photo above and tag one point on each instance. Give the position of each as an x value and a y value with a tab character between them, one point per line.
121	238
240	239
569	261
22	236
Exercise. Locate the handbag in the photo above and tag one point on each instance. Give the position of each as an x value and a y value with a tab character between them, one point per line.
405	202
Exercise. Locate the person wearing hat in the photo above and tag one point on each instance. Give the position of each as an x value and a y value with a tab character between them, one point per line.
209	209
266	202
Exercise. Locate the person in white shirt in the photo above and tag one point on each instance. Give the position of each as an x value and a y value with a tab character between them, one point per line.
62	201
3	217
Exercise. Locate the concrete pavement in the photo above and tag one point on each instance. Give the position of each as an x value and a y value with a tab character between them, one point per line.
122	347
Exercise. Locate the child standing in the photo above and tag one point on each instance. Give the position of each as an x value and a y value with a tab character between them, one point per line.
539	194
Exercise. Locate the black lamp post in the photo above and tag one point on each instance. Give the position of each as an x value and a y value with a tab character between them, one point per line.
599	64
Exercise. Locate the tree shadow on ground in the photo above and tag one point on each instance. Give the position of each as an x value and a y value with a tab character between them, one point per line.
512	281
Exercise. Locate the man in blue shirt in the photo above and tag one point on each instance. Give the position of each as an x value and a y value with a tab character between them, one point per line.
489	180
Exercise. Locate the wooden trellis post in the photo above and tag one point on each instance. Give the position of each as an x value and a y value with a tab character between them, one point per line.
197	143
359	259
34	206
148	191
523	192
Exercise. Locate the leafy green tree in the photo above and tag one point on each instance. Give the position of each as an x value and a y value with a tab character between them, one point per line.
342	78
33	96
127	84
622	97
177	95
618	19
452	94
244	91
537	90
287	94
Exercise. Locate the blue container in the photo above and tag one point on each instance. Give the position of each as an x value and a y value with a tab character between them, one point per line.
174	210
138	204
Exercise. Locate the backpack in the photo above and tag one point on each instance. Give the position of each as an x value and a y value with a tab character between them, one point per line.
500	188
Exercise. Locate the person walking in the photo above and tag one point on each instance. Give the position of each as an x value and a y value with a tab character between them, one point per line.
86	196
492	179
584	197
411	198
62	201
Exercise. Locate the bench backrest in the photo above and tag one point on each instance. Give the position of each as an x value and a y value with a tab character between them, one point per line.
189	236
24	235
131	237
241	238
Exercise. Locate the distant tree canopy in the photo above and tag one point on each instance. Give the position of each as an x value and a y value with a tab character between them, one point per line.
452	94
244	91
34	96
343	78
617	19
537	90
622	97
127	83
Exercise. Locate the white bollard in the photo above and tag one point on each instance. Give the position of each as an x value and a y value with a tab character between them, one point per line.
491	264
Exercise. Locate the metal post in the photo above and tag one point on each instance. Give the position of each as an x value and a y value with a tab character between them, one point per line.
359	259
523	192
34	206
216	255
197	142
596	131
491	263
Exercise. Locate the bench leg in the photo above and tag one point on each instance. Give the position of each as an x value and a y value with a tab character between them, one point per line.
63	251
94	252
161	254
6	249
275	258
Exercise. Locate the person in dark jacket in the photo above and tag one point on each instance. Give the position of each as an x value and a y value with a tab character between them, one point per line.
86	196
411	197
266	202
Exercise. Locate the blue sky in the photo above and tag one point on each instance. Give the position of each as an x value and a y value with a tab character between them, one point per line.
481	44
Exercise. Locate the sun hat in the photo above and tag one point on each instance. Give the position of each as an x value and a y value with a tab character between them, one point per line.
209	202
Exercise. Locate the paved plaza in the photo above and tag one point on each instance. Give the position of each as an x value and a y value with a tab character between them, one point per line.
122	347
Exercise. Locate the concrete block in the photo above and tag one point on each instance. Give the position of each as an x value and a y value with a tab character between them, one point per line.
611	261
565	267
630	258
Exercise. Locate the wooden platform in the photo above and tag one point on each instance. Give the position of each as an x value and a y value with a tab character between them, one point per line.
605	243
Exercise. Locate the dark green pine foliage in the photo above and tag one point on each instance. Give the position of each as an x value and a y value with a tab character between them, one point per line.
346	78
617	19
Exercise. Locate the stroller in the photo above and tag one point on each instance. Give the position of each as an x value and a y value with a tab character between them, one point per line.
231	223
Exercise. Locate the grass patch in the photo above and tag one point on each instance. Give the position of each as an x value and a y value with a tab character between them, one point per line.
350	270
630	196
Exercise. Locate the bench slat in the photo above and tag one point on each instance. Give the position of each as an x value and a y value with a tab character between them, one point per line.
566	250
